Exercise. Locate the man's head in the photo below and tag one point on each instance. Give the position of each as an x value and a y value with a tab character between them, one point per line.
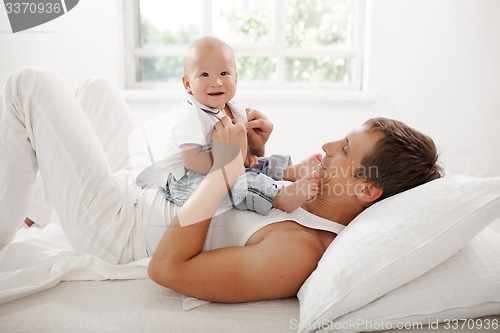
382	158
403	157
210	72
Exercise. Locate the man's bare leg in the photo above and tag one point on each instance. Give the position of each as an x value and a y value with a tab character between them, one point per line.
28	222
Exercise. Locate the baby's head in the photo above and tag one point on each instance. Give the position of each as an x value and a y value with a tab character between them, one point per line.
210	72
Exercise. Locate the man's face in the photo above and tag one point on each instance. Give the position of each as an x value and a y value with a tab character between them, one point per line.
341	161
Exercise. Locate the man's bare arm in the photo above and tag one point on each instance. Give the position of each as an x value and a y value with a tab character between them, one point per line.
276	267
195	158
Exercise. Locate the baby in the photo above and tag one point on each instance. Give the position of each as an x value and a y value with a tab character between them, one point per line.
210	78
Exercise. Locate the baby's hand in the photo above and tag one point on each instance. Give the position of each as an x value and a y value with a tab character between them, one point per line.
251	161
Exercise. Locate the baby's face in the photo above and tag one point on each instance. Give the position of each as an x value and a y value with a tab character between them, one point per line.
211	76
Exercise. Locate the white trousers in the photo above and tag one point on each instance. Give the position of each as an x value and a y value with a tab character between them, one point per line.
80	147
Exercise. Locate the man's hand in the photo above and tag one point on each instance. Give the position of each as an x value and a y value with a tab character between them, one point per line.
259	128
228	142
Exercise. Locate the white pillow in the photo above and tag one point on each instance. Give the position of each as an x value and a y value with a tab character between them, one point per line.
464	286
394	242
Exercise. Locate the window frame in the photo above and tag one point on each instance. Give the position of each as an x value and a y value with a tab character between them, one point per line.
265	90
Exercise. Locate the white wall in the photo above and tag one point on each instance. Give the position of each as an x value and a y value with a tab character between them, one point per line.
86	41
433	64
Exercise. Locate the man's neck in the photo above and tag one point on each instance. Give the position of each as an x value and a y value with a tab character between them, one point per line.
336	212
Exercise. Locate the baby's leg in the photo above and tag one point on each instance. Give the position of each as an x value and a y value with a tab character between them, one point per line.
255	192
42	127
304	168
293	196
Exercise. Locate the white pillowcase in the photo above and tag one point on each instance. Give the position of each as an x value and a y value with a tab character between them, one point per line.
394	242
467	285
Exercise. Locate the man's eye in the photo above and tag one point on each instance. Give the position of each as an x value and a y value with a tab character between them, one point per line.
345	149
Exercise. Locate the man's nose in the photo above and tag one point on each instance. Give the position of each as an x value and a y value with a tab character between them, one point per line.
330	147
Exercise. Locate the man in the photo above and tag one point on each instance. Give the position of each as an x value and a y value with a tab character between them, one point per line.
380	159
104	212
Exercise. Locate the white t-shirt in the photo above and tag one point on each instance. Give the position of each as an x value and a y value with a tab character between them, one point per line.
192	125
231	228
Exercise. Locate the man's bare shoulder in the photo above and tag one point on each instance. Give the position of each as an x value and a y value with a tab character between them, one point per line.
296	237
287	256
299	235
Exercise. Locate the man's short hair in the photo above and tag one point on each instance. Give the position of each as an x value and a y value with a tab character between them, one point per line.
401	159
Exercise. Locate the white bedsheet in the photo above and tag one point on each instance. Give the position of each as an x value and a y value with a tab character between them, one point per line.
132	306
40	258
46	287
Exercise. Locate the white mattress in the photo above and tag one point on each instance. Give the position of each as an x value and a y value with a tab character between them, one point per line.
142	306
95	296
116	298
137	306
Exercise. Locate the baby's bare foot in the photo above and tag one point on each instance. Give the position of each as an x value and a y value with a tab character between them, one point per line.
304	168
292	196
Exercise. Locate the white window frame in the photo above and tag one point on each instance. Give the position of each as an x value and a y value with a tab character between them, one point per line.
273	91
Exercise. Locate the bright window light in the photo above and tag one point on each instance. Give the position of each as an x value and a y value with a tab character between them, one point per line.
277	43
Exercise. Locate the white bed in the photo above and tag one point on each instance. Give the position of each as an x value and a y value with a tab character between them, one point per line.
423	256
383	271
137	306
40	257
141	306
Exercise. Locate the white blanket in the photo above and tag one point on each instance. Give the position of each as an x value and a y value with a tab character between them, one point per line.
40	258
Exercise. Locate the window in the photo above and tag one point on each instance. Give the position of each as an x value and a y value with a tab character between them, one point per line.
277	42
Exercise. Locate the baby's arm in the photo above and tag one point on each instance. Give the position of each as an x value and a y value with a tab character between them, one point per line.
196	159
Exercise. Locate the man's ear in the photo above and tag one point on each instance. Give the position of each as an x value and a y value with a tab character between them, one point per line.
187	85
369	193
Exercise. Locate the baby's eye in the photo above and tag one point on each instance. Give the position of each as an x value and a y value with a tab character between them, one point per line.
204	74
224	73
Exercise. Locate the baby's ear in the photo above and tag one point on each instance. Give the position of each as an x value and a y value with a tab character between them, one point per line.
187	85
